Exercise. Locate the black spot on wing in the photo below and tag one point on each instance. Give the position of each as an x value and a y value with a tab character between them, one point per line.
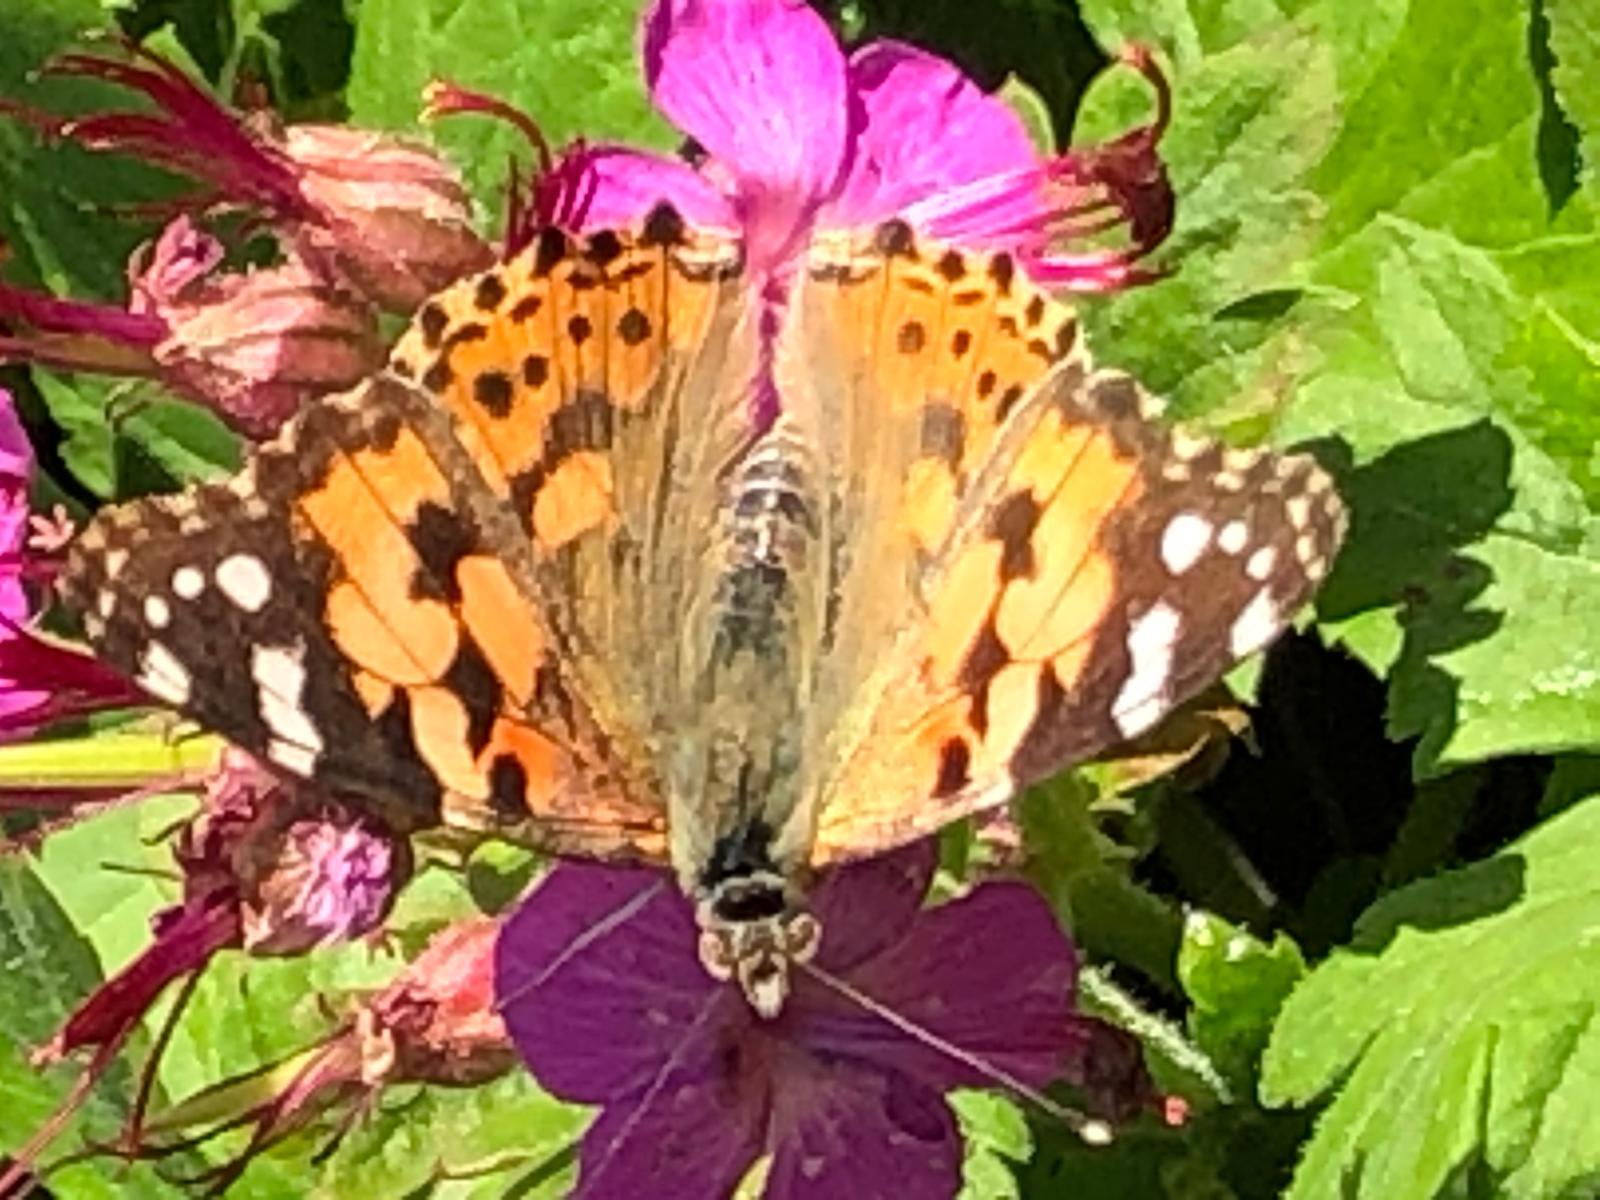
441	538
508	787
1012	525
473	682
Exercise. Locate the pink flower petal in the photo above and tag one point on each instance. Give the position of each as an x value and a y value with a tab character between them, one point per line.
16	455
759	83
927	128
609	187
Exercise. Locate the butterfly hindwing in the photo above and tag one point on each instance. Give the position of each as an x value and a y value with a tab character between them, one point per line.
1050	568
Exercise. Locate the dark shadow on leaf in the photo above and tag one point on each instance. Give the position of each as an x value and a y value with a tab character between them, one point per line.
1262	306
1415	512
1559	155
1454	898
1412	510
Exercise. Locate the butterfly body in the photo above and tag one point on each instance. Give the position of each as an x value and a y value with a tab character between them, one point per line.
621	560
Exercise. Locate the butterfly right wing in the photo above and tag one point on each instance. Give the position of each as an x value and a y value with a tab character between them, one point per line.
1031	567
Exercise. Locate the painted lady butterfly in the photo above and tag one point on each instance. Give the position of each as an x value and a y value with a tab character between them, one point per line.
563	572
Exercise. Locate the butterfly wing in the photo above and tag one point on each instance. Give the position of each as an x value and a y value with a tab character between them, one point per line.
1051	569
398	597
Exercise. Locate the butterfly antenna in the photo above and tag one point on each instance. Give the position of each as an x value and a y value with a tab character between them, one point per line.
613	920
1093	1130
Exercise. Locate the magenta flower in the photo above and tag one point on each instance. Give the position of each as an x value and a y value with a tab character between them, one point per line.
40	681
799	137
609	1004
253	347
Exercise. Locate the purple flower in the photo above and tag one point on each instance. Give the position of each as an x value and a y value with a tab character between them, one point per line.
253	346
798	137
609	1005
40	681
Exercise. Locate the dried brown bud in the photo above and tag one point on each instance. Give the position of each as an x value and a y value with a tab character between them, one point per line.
396	219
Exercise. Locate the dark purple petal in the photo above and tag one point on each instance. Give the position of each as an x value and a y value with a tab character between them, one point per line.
843	1133
925	128
600	983
991	973
864	906
691	1142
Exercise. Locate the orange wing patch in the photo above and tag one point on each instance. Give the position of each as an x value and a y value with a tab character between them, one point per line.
539	358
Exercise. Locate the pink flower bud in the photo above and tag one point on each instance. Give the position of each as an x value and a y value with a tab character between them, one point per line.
394	217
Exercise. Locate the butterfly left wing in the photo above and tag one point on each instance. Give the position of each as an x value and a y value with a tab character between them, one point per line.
426	591
1052	568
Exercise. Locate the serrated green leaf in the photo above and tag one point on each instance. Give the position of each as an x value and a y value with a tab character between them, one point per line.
1459	1025
1574	40
1236	983
997	1137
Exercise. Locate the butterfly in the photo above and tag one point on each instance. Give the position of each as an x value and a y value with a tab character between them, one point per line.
611	560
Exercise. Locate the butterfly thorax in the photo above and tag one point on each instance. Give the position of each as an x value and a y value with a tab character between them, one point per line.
748	649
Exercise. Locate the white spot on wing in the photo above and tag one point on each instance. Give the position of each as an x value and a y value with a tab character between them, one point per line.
1257	625
280	675
1143	698
157	612
1184	540
162	675
188	582
243	578
1259	565
298	760
1235	536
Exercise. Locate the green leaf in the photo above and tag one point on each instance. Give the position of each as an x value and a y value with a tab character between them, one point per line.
574	72
1574	29
46	968
1459	1027
505	1130
1237	983
996	1136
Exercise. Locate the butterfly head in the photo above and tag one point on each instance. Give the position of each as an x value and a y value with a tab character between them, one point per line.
751	931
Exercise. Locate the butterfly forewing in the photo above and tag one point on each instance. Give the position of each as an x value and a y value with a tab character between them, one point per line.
1044	569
